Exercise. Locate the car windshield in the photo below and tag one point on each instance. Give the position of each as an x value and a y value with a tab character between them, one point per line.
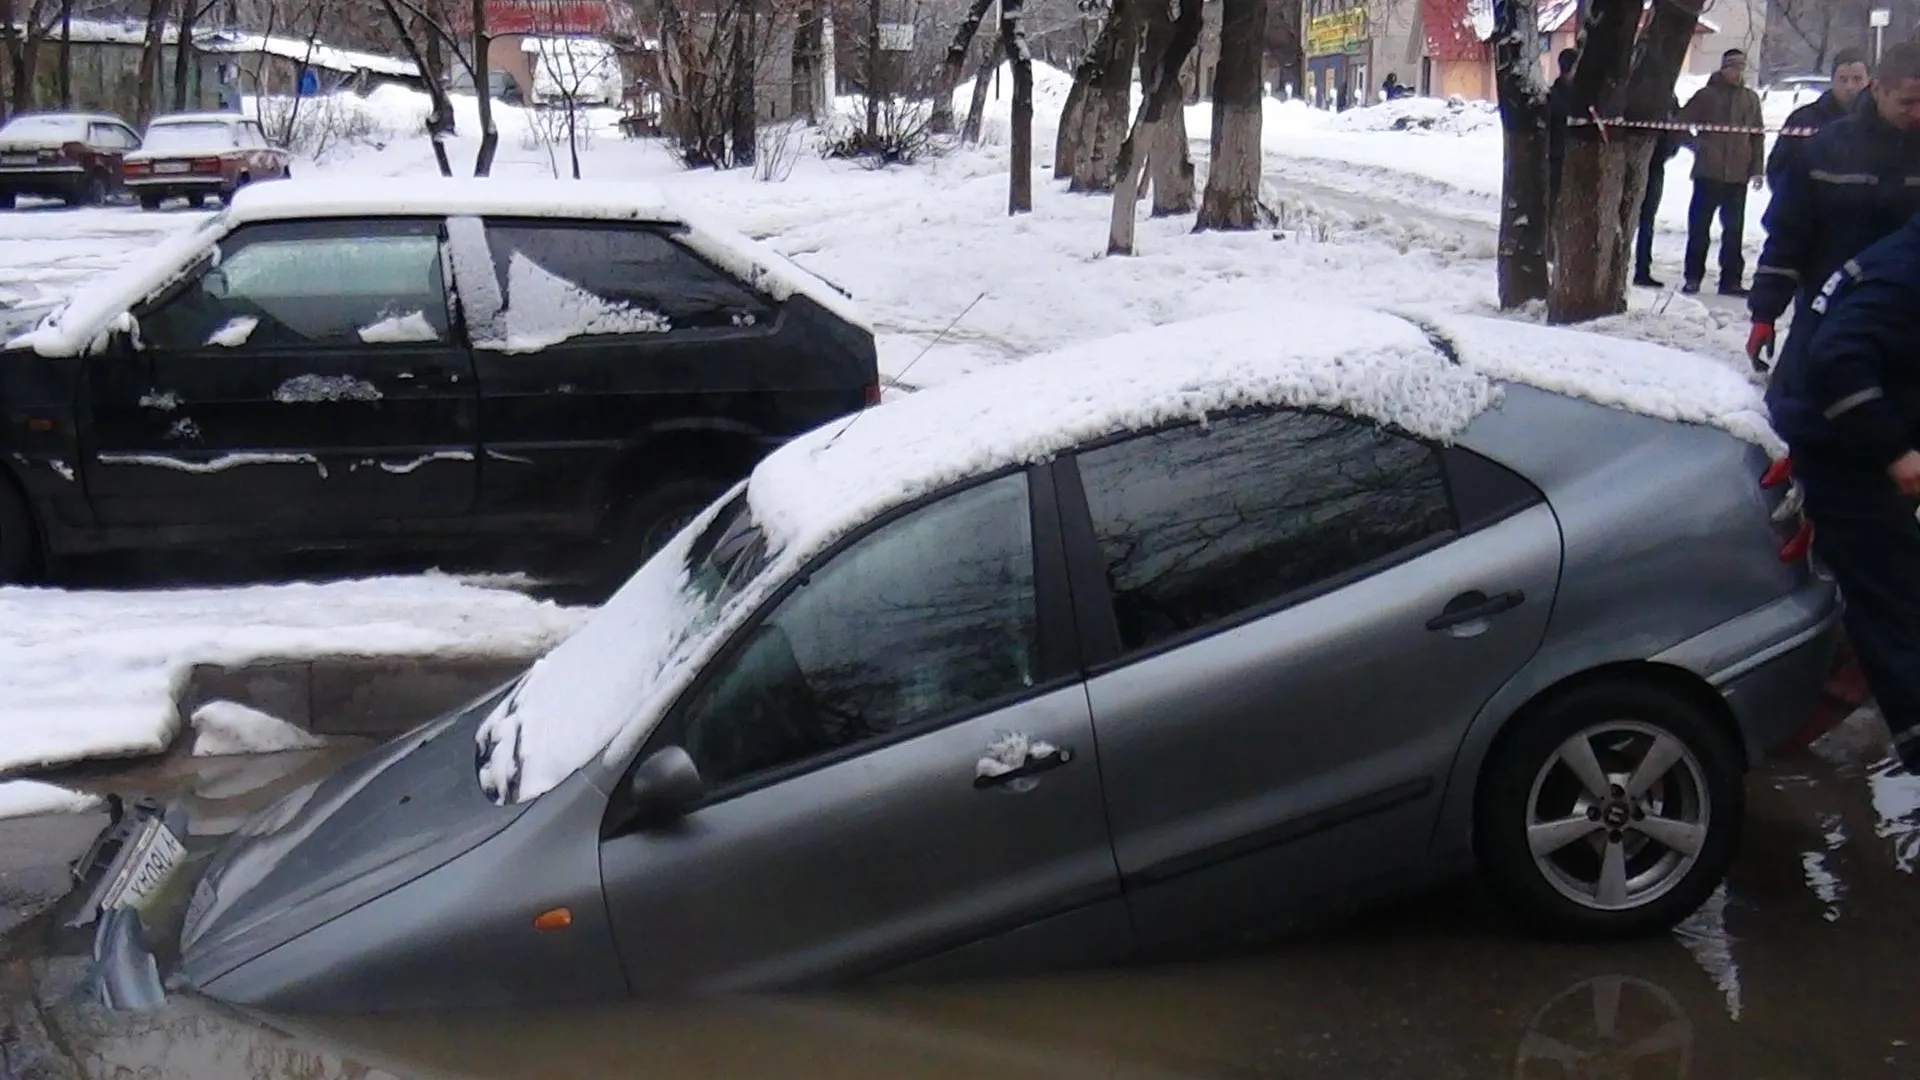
43	127
211	135
603	689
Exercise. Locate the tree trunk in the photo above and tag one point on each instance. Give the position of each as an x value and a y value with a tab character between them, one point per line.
1624	72
149	70
743	123
1522	258
1170	164
874	89
183	53
977	109
1102	124
489	134
66	54
1020	161
1066	142
440	119
1162	91
1232	200
947	77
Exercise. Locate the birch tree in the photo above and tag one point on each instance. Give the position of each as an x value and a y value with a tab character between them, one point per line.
1522	257
1094	122
1161	92
1232	199
1169	172
1013	35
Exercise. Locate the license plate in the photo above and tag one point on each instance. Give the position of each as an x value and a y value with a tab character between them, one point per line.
171	167
18	159
153	857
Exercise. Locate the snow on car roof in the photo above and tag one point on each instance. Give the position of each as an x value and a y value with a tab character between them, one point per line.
197	118
78	325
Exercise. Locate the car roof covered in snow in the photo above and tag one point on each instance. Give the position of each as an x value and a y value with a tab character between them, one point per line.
1430	373
598	200
197	118
69	117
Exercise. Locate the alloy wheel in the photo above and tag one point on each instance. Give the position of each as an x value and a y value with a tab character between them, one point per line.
1618	815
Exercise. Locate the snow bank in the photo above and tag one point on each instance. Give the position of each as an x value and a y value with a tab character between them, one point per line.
1449	116
225	728
24	798
95	674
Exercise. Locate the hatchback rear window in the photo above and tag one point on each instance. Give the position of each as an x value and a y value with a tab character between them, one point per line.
45	127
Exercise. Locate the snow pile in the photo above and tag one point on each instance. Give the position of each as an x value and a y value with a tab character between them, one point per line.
234	332
25	798
225	728
397	329
96	674
1450	116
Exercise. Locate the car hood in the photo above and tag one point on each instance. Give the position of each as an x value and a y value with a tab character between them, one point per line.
401	811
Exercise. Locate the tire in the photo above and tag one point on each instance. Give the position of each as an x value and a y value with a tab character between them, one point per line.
286	172
648	522
19	546
7	200
149	202
92	193
1699	801
197	201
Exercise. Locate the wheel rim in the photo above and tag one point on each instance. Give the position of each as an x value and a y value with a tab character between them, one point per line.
1618	815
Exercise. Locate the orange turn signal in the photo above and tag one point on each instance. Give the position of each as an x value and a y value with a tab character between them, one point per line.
555	919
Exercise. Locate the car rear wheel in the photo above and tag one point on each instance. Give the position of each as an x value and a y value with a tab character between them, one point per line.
649	522
1611	812
93	191
196	201
7	200
149	202
17	543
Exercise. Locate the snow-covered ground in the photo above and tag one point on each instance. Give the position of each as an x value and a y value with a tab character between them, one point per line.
952	284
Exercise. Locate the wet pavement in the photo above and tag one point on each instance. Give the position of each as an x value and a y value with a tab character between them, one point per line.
1804	966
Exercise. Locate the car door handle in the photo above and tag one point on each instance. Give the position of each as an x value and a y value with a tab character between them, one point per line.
1033	765
1474	606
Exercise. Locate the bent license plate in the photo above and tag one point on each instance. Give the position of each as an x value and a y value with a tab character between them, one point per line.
156	854
171	167
17	159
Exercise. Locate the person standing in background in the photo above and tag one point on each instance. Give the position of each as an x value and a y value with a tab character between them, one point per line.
1850	77
1559	108
1663	152
1724	164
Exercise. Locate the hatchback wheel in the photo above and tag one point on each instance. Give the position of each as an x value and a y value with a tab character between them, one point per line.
17	544
93	191
1612	812
650	521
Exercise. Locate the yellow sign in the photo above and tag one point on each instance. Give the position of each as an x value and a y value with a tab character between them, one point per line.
1337	32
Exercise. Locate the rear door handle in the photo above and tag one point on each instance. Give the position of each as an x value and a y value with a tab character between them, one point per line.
1474	606
1034	765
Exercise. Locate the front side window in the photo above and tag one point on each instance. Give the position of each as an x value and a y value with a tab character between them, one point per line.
566	281
285	286
1200	524
904	627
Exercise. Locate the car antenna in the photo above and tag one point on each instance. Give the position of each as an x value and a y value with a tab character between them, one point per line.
903	371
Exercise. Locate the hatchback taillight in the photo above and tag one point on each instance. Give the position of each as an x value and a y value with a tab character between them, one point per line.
206	165
873	393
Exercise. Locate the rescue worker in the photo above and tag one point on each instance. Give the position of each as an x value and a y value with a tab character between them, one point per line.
1663	152
1724	164
1848	404
1850	77
1855	182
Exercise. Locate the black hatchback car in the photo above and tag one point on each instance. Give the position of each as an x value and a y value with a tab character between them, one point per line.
418	365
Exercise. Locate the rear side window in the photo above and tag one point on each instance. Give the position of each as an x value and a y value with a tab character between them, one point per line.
563	281
1200	524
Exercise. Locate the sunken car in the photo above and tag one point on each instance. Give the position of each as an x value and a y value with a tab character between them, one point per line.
559	370
1085	658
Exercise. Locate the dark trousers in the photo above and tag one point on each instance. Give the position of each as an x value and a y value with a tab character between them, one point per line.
1874	555
1730	202
1649	209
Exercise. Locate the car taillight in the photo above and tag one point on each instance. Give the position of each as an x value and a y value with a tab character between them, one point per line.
873	393
1794	527
136	168
206	165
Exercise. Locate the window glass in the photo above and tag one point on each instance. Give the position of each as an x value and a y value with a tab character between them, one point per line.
903	627
568	281
273	288
191	137
1200	523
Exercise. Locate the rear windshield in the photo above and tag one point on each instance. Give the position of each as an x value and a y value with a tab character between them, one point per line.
190	137
45	127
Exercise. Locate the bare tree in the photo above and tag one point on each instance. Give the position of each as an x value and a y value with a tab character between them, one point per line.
953	64
191	12
1810	31
149	68
1170	157
1094	122
1162	92
440	118
1232	199
977	106
464	33
1627	72
1522	259
66	54
709	52
22	41
1020	178
571	68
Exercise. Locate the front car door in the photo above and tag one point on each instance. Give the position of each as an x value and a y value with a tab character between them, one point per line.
850	825
312	375
1293	618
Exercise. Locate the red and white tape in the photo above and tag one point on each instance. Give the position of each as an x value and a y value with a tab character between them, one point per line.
1679	125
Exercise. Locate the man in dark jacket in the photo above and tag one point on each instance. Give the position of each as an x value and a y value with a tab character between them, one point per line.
1559	107
1724	164
1663	152
1855	182
1848	404
1850	77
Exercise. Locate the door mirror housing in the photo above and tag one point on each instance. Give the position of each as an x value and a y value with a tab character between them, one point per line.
663	788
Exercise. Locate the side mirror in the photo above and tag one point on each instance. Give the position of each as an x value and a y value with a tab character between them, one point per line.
663	787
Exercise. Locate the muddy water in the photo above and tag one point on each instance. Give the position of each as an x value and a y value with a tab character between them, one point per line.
1803	967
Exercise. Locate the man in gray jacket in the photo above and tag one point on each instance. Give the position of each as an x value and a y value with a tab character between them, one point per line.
1725	164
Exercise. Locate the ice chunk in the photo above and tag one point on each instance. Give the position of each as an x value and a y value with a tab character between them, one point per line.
412	326
312	388
228	727
234	332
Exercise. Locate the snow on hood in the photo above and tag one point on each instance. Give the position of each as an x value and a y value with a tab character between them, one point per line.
603	690
77	325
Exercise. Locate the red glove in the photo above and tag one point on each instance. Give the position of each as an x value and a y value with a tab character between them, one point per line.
1759	342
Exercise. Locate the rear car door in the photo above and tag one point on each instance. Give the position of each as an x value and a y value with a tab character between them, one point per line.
311	377
592	336
848	828
1291	617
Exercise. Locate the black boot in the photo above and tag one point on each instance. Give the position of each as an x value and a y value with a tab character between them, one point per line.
1645	279
1690	287
1732	289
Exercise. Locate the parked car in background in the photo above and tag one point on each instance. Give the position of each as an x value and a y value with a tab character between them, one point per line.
1148	641
574	72
195	155
500	369
74	157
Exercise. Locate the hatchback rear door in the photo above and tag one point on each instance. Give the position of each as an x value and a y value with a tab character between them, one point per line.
851	825
1290	619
